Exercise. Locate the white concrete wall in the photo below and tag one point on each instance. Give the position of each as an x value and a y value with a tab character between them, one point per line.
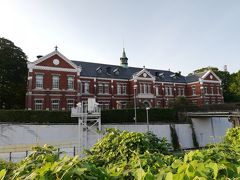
17	134
210	130
184	132
24	134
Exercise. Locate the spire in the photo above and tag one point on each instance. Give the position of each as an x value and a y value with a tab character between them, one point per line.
123	54
124	59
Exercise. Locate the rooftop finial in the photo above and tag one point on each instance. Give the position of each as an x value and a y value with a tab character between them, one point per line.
123	54
56	48
124	59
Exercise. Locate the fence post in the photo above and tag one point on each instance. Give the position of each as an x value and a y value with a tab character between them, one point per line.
58	150
10	156
74	150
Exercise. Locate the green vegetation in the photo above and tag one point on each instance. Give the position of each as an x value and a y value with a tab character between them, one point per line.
174	138
22	116
119	116
129	155
13	75
127	115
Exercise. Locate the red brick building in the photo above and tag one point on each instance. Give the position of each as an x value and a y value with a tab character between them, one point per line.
57	83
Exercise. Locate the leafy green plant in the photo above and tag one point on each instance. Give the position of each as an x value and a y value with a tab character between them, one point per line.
122	145
125	155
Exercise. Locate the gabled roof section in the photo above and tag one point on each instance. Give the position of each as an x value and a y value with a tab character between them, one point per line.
202	75
144	73
209	73
54	53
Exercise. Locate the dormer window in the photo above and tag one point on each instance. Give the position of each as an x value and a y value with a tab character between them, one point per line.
99	70
108	69
161	75
116	71
175	75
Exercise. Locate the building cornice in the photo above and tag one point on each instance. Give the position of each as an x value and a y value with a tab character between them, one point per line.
55	69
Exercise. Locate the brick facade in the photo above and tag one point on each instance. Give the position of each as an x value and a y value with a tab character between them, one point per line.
56	83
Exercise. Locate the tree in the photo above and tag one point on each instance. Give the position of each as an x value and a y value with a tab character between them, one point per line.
13	75
178	102
214	69
234	87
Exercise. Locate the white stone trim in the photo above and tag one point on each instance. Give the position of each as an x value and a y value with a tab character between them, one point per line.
54	69
39	95
193	83
101	78
55	94
208	72
70	95
56	52
146	96
211	81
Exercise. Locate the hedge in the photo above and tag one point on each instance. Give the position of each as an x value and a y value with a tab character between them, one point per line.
107	116
127	116
24	116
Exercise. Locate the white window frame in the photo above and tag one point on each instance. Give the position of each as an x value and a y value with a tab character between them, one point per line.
38	106
141	88
86	87
157	90
39	81
193	90
119	87
70	82
148	88
106	88
205	90
145	88
212	90
104	105
168	91
55	81
100	88
70	104
124	89
55	104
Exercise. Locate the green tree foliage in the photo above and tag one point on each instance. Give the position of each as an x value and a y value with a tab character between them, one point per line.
13	75
234	86
178	102
214	69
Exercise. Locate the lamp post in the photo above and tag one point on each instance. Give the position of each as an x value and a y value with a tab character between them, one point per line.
147	108
135	110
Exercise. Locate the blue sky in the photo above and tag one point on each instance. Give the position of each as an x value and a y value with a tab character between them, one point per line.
181	35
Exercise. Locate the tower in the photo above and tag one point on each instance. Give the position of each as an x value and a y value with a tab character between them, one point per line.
124	59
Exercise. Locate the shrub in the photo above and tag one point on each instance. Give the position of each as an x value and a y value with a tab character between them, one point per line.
23	116
127	116
118	146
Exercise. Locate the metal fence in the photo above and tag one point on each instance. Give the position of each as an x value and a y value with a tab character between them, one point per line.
15	156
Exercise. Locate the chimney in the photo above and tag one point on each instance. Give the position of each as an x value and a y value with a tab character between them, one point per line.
39	56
